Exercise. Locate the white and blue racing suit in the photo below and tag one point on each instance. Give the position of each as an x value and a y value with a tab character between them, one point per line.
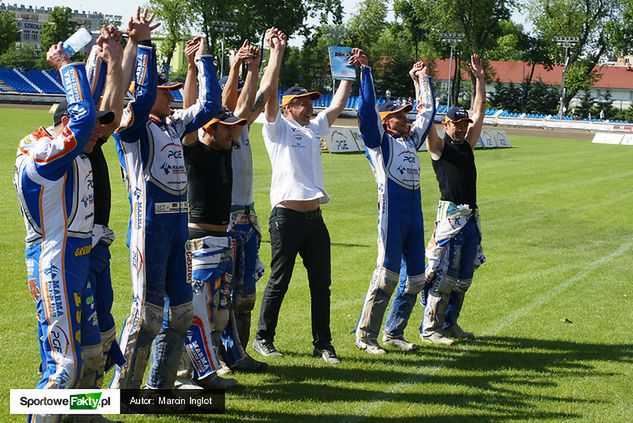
396	167
244	230
53	180
150	152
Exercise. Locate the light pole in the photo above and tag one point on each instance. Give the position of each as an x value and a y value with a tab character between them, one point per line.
452	40
567	43
223	27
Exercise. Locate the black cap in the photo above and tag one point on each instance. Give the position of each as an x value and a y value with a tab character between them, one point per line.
164	83
391	107
226	117
297	92
457	114
104	117
224	79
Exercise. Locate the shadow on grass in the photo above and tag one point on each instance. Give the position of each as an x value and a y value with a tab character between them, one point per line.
493	379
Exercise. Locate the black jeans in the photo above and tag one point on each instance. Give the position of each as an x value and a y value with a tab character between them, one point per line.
293	232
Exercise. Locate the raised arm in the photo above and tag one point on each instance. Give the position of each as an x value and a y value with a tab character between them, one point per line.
190	90
230	92
479	106
268	91
53	158
246	99
339	101
115	85
208	100
369	121
426	103
145	84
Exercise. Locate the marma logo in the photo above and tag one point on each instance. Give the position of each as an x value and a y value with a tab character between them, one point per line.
88	401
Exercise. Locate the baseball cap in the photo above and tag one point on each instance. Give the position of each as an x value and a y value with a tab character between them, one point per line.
226	117
164	83
104	117
298	92
457	114
391	107
224	79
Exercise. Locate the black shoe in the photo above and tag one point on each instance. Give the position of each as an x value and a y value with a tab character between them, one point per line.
215	382
249	365
327	353
266	348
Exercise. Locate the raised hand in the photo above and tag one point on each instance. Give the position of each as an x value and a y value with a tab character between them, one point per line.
255	58
477	66
418	70
191	49
243	54
358	58
278	40
111	50
57	57
268	37
140	27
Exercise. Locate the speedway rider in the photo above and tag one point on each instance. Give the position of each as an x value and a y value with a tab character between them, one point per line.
392	148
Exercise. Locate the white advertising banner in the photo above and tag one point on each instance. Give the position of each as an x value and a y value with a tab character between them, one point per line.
607	138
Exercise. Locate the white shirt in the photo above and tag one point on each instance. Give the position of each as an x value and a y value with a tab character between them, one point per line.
242	162
295	156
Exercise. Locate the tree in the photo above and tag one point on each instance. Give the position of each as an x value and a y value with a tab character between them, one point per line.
9	30
605	104
20	56
542	98
392	58
254	17
599	26
174	16
413	20
59	28
366	26
479	20
586	106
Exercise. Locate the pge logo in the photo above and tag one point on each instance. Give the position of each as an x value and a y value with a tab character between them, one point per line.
59	340
408	159
177	154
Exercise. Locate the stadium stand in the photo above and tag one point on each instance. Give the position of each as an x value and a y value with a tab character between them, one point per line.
17	82
45	81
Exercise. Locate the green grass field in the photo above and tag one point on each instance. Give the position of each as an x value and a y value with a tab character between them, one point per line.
552	308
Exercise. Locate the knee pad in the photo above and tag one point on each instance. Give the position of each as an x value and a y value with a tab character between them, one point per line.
386	280
180	317
152	318
445	285
414	284
462	285
221	320
244	304
91	374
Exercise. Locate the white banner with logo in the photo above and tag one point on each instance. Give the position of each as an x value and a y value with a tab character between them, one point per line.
607	138
65	401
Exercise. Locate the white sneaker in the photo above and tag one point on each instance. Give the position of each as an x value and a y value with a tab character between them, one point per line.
399	343
457	332
370	347
437	339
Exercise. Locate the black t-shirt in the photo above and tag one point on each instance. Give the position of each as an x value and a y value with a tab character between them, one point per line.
209	184
101	183
456	173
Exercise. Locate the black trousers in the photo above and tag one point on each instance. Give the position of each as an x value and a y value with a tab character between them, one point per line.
293	232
